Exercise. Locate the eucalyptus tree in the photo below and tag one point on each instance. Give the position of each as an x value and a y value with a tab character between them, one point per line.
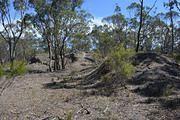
57	21
42	23
13	19
171	14
132	31
27	46
81	42
103	39
177	4
73	23
119	24
160	33
141	12
4	51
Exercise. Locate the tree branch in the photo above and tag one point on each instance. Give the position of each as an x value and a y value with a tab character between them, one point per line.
151	8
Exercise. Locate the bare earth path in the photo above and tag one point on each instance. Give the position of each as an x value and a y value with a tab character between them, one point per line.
27	98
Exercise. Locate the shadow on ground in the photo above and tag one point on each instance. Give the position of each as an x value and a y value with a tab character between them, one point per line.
156	76
158	79
36	71
100	87
171	103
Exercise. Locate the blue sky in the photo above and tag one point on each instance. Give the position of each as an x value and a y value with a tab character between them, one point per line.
104	8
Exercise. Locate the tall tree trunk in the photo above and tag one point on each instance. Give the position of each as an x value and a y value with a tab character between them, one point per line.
166	41
11	54
10	51
56	56
62	54
140	26
172	30
50	55
56	53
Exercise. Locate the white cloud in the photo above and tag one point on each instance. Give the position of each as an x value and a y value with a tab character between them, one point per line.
98	21
1	27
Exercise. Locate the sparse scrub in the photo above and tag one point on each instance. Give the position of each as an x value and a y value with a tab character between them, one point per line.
1	71
127	69
120	61
73	72
69	115
168	90
18	68
106	78
176	57
97	56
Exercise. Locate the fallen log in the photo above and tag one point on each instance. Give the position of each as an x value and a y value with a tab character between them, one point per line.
95	74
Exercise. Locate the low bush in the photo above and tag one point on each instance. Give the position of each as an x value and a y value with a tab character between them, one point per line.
18	68
127	69
177	57
1	71
120	61
168	90
97	56
69	115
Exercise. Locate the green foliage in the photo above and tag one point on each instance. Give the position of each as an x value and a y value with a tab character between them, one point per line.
1	71
127	69
81	42
168	90
97	56
18	68
106	78
102	39
120	61
177	57
69	115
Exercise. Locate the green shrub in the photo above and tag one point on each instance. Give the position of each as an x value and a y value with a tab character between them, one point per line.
120	61
127	69
69	115
177	57
168	90
18	68
106	78
1	71
97	56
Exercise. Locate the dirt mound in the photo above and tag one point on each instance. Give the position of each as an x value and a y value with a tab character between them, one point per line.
147	58
156	75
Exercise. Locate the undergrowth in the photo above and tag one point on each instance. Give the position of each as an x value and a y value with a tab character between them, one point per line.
120	61
1	71
17	68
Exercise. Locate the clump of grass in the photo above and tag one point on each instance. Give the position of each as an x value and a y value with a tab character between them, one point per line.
177	57
1	71
168	90
18	68
106	78
127	69
69	115
73	72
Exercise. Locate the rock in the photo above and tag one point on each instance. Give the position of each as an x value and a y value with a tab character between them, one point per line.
34	60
